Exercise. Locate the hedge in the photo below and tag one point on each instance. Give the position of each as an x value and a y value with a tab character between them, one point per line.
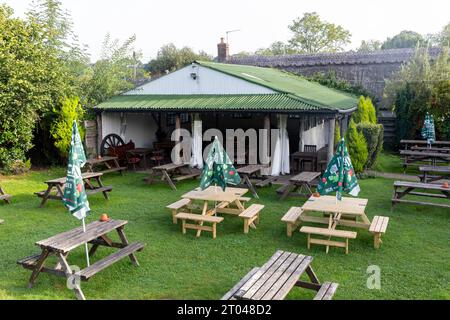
373	134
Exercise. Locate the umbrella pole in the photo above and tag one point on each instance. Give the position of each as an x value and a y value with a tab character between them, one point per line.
86	245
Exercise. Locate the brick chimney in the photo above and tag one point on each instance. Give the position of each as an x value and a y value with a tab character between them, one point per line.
223	51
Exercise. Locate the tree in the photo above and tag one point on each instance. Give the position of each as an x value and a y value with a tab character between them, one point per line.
31	80
312	35
421	86
405	39
366	111
369	46
357	147
113	73
275	49
170	58
61	128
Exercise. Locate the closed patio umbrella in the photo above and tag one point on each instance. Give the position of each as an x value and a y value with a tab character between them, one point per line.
75	198
339	176
218	169
428	131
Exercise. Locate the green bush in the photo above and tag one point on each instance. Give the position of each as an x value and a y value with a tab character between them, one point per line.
366	111
61	128
357	147
337	134
373	134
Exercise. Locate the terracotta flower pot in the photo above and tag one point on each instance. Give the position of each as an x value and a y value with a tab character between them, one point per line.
316	194
104	217
445	185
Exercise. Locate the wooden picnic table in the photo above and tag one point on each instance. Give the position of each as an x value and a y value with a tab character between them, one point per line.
301	156
228	201
111	164
411	156
434	173
171	173
277	277
247	172
142	153
424	142
58	186
404	188
297	183
62	244
349	212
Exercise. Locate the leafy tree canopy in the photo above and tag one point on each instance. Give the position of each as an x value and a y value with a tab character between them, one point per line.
170	58
405	39
312	35
369	46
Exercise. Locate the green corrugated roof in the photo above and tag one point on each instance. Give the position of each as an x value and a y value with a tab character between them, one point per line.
281	81
254	102
295	94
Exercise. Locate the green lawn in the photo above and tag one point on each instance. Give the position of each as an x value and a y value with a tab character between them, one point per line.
414	258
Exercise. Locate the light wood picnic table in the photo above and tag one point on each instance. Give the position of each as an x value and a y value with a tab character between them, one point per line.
297	183
62	244
247	172
227	201
171	173
111	164
57	186
349	212
434	173
277	277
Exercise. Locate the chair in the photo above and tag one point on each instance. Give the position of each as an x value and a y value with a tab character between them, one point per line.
132	159
309	149
157	157
322	161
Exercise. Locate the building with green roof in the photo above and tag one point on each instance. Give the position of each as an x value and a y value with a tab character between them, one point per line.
227	96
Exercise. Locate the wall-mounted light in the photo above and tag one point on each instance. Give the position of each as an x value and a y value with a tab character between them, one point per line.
194	76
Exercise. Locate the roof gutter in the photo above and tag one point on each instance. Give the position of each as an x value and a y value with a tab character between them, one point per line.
348	111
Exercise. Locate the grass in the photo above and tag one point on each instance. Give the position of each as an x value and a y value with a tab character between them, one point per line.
414	258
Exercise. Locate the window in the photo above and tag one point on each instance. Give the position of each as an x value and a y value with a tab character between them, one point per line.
171	116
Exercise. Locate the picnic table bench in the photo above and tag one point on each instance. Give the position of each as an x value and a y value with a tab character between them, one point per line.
111	164
247	172
62	244
277	277
404	188
411	156
431	149
171	173
435	144
5	197
297	183
57	185
434	173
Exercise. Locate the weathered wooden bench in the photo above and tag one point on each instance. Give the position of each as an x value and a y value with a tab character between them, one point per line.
329	233
378	227
277	277
292	219
251	216
403	188
176	206
326	291
230	294
184	216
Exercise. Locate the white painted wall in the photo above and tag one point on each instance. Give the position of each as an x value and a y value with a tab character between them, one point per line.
317	135
208	82
140	127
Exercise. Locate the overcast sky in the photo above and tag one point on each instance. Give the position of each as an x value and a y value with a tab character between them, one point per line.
200	23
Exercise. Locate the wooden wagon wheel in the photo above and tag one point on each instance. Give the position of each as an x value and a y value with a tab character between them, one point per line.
111	140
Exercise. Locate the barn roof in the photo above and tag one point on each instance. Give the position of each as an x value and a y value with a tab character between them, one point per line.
292	93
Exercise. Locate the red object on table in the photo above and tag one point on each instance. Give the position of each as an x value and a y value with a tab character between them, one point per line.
104	217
